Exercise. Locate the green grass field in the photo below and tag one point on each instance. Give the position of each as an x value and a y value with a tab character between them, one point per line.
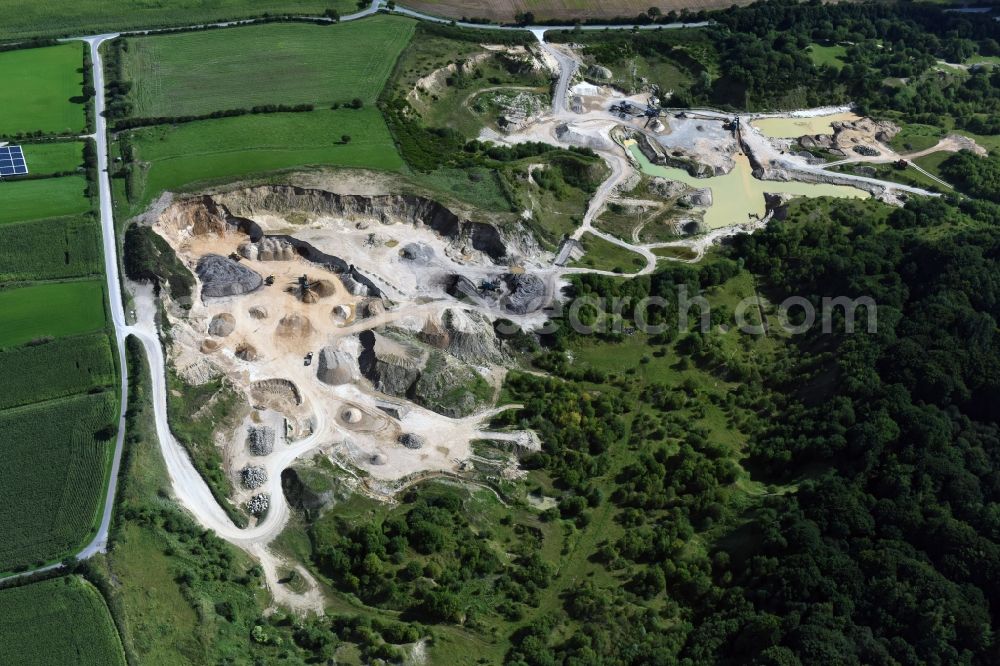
56	369
932	163
86	17
605	256
25	200
54	157
914	136
56	456
36	86
827	55
52	309
237	147
47	249
279	63
908	176
59	621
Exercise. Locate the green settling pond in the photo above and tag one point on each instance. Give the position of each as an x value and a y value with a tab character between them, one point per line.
737	196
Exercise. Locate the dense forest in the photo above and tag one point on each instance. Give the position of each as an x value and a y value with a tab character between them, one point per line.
886	546
756	57
857	523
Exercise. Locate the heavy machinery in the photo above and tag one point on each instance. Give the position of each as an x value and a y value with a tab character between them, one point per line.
306	290
626	109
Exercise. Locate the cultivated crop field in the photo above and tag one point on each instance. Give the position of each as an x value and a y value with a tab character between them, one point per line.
52	309
59	621
56	369
53	157
55	459
37	87
47	249
87	17
24	200
236	147
280	63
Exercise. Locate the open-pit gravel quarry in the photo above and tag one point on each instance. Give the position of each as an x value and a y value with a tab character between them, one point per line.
366	353
358	323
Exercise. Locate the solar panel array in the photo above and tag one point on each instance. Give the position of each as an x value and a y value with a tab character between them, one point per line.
12	161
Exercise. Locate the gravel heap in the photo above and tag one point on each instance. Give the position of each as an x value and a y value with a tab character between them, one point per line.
268	249
353	286
335	367
253	476
258	504
260	439
222	325
412	441
527	293
221	276
417	253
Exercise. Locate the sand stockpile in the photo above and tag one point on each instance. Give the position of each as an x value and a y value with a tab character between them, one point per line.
258	312
208	346
294	326
222	325
336	367
276	394
340	314
246	352
311	291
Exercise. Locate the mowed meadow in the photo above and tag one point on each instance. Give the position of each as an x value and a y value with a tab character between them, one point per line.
177	156
337	71
54	157
60	621
41	89
277	63
22	200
